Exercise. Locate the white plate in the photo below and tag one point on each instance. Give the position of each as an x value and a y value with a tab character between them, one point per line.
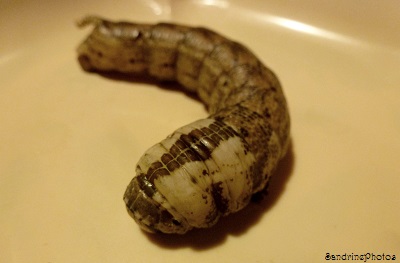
69	141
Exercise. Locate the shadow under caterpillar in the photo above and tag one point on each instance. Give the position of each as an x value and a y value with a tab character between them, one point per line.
211	167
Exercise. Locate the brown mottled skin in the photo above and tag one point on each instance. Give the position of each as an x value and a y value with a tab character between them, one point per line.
238	90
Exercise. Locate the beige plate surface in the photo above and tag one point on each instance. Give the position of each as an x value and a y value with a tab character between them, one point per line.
69	141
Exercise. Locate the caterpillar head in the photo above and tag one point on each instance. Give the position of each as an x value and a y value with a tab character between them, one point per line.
142	205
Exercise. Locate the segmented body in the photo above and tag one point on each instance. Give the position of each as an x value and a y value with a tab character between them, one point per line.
209	168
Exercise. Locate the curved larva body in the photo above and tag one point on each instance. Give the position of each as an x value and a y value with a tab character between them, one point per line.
209	168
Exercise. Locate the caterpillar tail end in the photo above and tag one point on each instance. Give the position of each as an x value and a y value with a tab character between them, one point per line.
89	20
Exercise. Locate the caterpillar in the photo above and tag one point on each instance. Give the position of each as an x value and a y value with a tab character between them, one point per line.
209	168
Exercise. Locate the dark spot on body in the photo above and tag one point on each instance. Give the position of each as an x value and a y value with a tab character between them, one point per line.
138	35
216	138
267	114
167	65
166	158
214	127
180	144
220	201
176	222
223	135
244	132
196	133
193	180
171	166
207	131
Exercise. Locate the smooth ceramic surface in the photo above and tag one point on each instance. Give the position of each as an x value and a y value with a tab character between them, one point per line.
69	141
